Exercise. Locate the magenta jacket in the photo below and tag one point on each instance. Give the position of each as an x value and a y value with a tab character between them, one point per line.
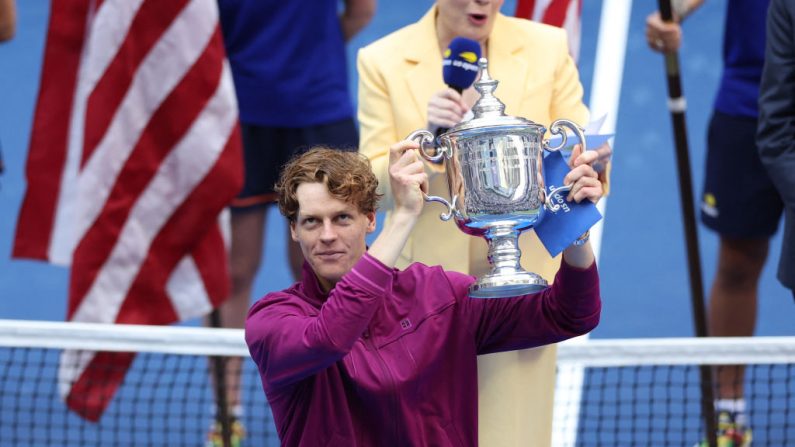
388	357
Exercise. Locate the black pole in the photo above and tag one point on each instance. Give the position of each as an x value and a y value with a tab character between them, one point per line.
219	373
676	104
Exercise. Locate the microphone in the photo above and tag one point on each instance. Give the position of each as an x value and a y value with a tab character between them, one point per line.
460	66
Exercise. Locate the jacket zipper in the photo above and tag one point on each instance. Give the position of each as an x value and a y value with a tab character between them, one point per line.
391	379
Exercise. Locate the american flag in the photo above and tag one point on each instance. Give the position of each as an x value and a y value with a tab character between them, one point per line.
564	14
134	154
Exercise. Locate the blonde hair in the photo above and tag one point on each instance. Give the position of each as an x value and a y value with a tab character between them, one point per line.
347	175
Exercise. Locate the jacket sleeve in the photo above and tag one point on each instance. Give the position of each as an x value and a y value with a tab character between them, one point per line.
568	308
776	133
777	98
376	122
289	340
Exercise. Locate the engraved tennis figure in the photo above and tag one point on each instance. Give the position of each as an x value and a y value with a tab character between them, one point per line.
493	167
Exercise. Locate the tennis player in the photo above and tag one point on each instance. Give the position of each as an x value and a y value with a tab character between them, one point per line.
361	354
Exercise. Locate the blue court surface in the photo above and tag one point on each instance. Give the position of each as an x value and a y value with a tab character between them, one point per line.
643	262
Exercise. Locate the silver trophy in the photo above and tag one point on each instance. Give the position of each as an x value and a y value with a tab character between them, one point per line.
494	171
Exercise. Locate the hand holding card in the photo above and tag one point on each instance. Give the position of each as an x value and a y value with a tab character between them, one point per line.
557	230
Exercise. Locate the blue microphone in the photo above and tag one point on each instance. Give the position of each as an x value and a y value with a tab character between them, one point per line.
460	65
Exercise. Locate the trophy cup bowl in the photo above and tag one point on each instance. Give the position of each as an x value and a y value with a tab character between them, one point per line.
494	172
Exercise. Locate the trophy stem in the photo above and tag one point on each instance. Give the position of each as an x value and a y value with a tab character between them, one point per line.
507	277
504	252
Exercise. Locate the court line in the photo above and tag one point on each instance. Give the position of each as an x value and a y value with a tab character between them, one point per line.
605	94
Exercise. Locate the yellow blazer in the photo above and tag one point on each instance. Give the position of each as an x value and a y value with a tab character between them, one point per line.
399	73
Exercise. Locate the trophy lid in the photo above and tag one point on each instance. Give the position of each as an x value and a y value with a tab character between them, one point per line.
488	110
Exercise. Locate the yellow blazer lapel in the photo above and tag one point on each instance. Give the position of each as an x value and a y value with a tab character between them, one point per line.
507	65
424	63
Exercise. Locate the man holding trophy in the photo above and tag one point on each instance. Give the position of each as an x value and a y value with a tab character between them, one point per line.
401	89
360	353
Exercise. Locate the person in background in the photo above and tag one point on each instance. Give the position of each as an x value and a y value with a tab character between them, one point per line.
288	62
8	19
8	27
776	134
401	89
739	201
360	353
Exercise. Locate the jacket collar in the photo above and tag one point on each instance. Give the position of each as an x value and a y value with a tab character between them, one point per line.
422	54
310	287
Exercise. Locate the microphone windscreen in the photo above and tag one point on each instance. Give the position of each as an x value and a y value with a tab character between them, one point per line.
460	65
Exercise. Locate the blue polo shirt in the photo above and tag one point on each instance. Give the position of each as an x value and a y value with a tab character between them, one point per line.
743	57
288	61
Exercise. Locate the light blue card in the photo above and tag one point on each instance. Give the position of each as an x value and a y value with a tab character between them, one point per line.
557	230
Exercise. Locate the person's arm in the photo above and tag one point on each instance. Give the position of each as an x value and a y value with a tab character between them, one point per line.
667	36
570	307
357	15
585	186
8	19
407	181
290	340
287	342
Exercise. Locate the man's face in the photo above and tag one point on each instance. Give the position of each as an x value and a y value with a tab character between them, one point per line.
330	232
472	19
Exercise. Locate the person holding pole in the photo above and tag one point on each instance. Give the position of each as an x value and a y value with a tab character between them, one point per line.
739	201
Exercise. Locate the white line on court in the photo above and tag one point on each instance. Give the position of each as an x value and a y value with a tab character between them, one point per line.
605	93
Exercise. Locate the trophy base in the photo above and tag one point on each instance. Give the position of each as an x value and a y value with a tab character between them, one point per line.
510	285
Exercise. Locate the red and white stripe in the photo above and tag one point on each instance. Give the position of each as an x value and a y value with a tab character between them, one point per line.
564	14
135	153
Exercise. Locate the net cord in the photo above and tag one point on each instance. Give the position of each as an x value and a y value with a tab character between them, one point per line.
203	341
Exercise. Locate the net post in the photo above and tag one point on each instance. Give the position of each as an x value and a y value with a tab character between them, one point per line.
219	372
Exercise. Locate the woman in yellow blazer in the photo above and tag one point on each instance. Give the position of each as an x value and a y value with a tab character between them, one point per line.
400	80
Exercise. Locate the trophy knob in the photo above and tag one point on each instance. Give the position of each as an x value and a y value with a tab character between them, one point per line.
488	105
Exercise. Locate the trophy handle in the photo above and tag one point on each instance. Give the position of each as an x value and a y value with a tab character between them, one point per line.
423	136
444	216
554	207
555	129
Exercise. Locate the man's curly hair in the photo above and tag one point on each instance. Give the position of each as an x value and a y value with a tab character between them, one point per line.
347	175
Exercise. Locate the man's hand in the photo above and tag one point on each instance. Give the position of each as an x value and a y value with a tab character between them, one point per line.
583	178
446	108
407	178
597	159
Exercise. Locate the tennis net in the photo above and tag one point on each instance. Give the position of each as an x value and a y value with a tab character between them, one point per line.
609	392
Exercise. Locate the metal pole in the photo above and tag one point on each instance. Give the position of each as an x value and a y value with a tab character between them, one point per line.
219	373
677	106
